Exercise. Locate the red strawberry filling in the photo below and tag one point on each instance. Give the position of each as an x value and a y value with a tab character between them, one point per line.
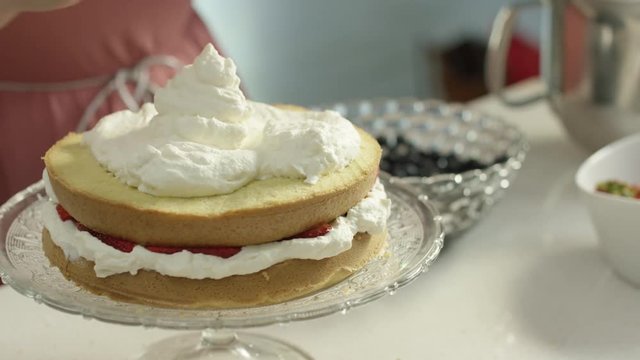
313	232
64	215
219	251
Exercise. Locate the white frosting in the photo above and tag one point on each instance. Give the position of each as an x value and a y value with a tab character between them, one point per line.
369	215
306	144
47	186
206	139
209	88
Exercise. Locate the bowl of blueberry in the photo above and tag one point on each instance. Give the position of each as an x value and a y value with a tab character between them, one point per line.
461	160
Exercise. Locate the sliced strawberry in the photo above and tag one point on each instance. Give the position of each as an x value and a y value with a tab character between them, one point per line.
114	242
83	228
163	249
313	232
127	246
219	251
64	215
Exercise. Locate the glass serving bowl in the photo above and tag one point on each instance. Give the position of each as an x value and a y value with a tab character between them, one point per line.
461	160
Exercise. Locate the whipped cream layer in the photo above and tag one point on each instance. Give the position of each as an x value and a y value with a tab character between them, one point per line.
202	137
369	215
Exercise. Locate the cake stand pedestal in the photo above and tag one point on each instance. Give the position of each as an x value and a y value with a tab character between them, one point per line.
223	344
414	241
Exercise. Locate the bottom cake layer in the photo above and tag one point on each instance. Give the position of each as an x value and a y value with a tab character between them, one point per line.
281	282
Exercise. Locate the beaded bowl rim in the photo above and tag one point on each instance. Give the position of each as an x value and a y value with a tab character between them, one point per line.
515	152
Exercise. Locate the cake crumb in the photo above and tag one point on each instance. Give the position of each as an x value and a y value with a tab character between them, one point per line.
265	275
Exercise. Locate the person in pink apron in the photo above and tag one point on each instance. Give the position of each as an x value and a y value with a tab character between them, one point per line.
64	68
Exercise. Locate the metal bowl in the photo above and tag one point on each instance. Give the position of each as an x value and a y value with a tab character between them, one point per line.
444	132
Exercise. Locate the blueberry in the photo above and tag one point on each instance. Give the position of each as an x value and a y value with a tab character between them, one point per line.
382	141
442	163
412	169
401	157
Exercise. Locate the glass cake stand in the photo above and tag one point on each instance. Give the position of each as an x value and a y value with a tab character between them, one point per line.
415	239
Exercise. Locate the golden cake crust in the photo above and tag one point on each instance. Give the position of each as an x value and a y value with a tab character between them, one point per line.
260	212
281	282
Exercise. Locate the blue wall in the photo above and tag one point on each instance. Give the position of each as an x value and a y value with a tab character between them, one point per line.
311	52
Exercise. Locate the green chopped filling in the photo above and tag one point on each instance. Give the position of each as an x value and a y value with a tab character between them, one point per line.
619	188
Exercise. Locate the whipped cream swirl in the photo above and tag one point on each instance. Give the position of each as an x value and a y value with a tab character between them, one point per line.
202	137
209	88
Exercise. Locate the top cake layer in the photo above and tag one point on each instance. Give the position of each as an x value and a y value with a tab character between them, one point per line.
260	212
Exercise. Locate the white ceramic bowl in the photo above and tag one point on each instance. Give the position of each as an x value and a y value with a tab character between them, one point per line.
616	218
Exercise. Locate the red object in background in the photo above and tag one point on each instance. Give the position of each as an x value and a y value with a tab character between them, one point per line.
523	60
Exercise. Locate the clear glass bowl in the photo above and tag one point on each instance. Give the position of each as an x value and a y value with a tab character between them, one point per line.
445	131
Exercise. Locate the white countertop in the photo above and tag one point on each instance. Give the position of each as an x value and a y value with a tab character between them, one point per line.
526	283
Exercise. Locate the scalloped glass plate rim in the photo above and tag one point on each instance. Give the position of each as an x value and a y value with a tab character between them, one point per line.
219	318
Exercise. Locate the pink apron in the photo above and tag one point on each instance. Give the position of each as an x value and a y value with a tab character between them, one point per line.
62	70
